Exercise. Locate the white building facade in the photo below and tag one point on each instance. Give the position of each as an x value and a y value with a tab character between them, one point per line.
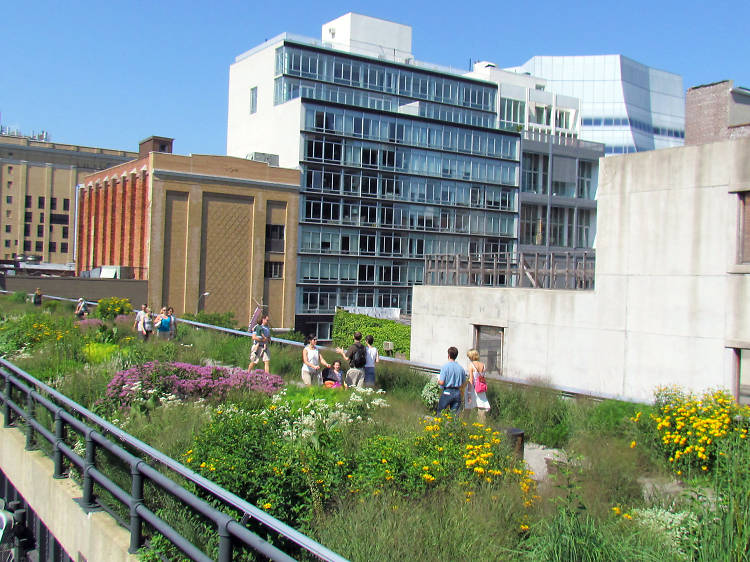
670	301
626	105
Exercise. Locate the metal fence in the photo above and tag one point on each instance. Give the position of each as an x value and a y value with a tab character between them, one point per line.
47	415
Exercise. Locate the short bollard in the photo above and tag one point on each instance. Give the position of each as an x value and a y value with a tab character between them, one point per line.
516	438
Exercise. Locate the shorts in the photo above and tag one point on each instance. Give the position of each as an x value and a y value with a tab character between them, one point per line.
355	377
259	353
370	376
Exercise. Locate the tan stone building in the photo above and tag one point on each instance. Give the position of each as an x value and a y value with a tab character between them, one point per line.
196	224
715	112
38	181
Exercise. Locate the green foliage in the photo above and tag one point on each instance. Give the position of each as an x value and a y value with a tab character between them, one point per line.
222	319
110	307
431	394
99	352
51	306
31	330
18	297
345	324
541	413
291	335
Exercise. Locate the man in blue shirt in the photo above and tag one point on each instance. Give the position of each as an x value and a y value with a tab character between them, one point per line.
452	376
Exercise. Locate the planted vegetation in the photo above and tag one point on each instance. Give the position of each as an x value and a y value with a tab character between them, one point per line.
374	475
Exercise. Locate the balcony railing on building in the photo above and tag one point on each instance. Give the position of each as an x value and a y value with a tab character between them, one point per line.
549	270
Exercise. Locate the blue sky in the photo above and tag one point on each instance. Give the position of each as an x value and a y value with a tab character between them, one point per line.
112	73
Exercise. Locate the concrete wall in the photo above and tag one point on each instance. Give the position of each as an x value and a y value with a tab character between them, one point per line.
670	301
74	287
84	536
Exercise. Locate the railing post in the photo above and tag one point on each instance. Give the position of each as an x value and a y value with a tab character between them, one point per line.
136	499
29	417
88	480
59	437
225	540
6	401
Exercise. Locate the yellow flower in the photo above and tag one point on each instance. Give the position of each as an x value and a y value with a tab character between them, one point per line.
339	463
266	506
383	461
632	444
627	516
616	510
523	527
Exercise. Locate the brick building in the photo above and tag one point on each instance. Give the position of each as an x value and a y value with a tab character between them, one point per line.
195	224
38	180
715	112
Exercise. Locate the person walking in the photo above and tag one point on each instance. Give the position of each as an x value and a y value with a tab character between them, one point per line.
452	376
146	327
372	358
261	339
162	324
172	323
311	362
356	355
82	308
476	389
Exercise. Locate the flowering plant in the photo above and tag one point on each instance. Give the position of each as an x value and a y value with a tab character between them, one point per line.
155	382
108	308
431	394
691	427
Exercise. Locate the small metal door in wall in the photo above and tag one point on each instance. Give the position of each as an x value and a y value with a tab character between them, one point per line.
488	340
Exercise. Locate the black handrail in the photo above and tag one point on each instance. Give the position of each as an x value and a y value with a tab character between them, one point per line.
95	430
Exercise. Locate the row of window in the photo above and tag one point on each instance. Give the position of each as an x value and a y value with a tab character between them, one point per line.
364	183
286	89
342	272
39	245
413	133
575	179
54	218
415	217
329	240
619	149
634	123
325	300
39	230
383	78
565	227
334	150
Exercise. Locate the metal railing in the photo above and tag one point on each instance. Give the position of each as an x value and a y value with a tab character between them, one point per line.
547	270
27	399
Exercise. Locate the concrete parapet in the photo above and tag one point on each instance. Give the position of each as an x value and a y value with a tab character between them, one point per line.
84	536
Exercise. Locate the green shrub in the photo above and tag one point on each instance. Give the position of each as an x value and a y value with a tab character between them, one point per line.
110	307
431	394
99	352
345	324
291	335
50	306
19	297
223	319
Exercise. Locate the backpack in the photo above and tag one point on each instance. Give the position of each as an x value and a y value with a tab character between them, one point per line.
359	357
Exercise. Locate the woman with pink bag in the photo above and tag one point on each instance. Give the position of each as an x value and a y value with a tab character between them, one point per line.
476	387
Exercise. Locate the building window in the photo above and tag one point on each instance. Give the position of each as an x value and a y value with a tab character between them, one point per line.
53	246
534	225
66	204
9	199
41	217
41	202
27	245
275	238
488	341
10	184
40	230
28	202
53	203
27	229
535	173
64	247
585	227
65	232
744	246
27	216
253	99
7	243
7	228
38	246
274	270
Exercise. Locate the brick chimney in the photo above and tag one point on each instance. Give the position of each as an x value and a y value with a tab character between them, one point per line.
155	144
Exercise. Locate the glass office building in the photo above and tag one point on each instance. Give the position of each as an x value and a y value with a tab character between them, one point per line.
398	159
626	105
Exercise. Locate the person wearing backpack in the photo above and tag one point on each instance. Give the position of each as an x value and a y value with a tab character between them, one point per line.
357	357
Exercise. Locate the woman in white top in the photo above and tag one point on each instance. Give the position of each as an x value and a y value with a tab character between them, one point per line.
476	399
311	362
371	358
